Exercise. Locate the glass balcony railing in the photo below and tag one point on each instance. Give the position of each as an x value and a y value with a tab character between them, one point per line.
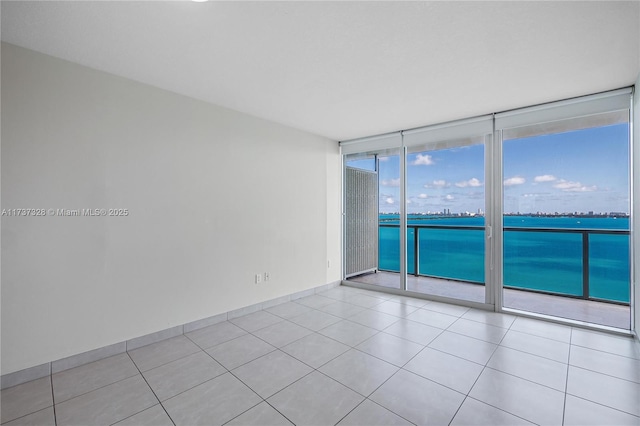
582	263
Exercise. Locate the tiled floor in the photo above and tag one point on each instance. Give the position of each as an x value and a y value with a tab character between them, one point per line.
351	357
608	314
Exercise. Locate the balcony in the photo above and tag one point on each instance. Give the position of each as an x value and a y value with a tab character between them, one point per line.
580	274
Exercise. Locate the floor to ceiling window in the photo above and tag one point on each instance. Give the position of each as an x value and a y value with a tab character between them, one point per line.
566	202
446	206
526	210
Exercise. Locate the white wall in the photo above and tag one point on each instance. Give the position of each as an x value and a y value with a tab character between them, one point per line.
214	197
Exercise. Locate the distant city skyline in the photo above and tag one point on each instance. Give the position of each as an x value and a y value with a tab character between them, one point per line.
558	214
579	171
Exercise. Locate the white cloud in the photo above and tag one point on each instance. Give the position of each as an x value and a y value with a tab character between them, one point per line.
565	184
449	197
423	196
569	186
473	182
437	184
389	200
423	160
390	182
516	180
545	178
383	158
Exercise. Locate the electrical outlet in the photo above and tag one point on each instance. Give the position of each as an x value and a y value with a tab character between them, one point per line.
266	276
258	278
328	264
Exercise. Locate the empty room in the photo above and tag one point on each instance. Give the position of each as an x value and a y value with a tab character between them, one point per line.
320	213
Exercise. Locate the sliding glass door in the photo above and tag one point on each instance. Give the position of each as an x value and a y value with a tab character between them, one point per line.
448	215
431	210
446	219
526	210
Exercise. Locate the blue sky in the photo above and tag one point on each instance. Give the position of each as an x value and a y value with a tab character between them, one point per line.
584	170
575	171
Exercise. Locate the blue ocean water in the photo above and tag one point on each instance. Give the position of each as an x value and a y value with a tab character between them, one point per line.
544	261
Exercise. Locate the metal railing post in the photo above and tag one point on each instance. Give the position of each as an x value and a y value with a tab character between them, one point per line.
416	251
585	264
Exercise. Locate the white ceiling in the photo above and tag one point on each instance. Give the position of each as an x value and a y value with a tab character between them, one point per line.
346	69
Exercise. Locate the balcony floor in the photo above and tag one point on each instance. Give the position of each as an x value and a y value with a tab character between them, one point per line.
607	314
